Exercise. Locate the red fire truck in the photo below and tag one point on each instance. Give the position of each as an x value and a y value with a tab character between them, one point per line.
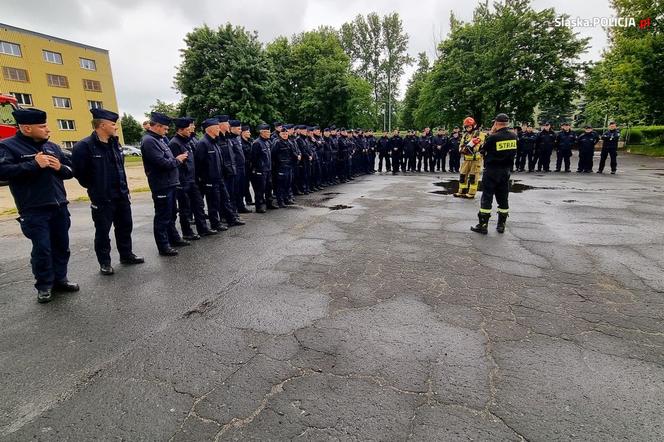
7	122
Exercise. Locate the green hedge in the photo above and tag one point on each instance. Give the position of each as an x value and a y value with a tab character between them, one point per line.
653	135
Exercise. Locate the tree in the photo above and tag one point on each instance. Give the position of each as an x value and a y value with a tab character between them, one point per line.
226	71
509	58
396	58
131	129
626	84
407	118
170	109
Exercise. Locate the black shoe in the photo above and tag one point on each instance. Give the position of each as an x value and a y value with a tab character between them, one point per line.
168	252
260	209
290	203
44	296
250	203
243	210
65	287
180	243
237	222
599	171
272	207
613	172
192	237
220	228
132	259
281	205
106	269
480	228
210	232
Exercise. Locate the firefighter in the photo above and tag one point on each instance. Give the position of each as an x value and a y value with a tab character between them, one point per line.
498	150
470	145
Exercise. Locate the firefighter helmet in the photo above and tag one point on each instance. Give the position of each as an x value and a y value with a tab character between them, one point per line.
469	121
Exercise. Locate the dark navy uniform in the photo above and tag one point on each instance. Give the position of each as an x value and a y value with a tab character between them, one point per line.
261	173
410	147
439	147
235	144
498	150
396	152
527	142
610	140
246	149
565	142
189	198
41	200
384	153
99	167
283	157
161	168
453	148
546	141
586	142
209	175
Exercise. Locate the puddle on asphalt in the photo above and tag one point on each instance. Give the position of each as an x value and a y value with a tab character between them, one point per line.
332	193
569	201
451	186
340	207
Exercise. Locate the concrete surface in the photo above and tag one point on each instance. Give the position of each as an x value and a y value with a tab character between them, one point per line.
388	320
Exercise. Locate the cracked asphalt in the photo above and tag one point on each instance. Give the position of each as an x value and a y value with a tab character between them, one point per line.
387	320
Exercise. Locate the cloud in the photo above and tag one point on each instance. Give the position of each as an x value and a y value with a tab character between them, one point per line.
144	37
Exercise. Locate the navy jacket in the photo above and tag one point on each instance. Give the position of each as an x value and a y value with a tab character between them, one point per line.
587	141
527	140
565	140
100	168
31	185
208	160
187	169
227	154
610	139
238	153
261	156
160	165
283	155
546	139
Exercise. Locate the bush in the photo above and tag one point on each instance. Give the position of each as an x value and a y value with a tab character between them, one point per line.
645	135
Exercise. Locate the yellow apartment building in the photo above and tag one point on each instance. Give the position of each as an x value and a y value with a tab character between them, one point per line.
63	78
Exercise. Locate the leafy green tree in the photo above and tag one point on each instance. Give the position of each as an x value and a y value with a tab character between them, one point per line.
132	130
170	109
407	118
226	71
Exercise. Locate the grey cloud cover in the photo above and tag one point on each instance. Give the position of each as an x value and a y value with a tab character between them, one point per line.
144	37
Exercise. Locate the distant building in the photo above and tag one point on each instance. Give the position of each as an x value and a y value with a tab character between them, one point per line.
61	77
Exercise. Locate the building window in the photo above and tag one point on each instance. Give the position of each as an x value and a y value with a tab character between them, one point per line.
62	102
66	125
92	85
57	80
52	57
15	74
88	64
22	99
10	49
95	104
69	145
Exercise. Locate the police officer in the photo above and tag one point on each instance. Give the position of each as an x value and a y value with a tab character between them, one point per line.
283	157
229	168
586	141
527	141
565	142
35	169
609	147
372	145
425	144
209	172
261	169
383	153
334	155
99	167
247	142
188	195
161	168
439	147
453	148
235	143
546	141
498	150
296	158
410	148
396	152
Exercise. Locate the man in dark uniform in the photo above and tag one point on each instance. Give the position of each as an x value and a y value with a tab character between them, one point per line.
498	150
453	148
427	147
307	158
565	142
161	168
439	147
235	143
296	158
527	141
372	145
247	142
610	140
586	141
384	153
209	172
261	169
35	169
546	141
229	169
188	195
278	125
98	165
334	155
410	147
396	152
283	156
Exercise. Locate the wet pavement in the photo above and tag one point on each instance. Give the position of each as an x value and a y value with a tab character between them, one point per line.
367	312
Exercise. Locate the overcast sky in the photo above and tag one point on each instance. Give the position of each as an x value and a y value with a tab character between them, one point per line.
144	36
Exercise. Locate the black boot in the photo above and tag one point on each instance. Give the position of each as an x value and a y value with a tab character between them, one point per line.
502	218
483	224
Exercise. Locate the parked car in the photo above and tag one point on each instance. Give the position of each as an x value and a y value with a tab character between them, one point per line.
131	151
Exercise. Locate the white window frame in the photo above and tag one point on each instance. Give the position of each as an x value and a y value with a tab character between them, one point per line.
63	126
51	56
20	98
9	48
68	144
56	104
99	104
85	65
